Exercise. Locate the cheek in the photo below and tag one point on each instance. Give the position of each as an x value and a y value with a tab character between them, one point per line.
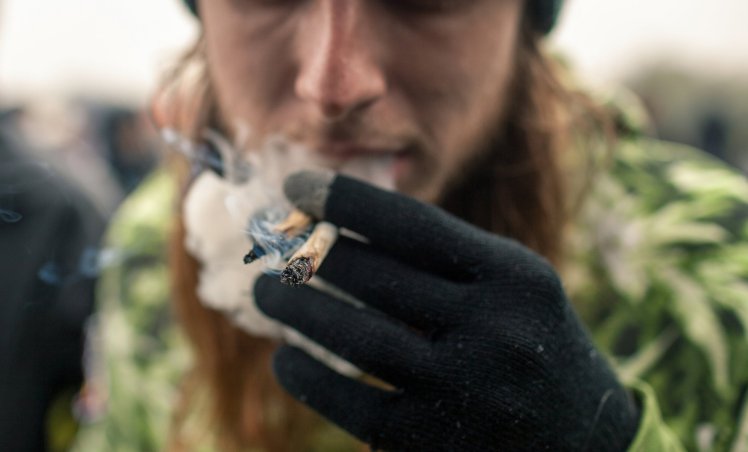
246	64
457	70
460	105
467	99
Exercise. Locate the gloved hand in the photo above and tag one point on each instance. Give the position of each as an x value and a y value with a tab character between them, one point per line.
473	330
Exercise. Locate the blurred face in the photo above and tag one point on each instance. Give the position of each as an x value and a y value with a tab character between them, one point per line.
416	84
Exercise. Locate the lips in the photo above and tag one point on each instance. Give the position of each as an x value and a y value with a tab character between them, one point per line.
383	166
344	151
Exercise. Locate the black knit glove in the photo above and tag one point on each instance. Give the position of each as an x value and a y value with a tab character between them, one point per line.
473	330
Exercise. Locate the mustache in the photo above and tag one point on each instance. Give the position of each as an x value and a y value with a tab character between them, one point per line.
317	133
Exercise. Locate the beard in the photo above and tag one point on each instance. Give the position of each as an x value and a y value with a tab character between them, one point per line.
439	156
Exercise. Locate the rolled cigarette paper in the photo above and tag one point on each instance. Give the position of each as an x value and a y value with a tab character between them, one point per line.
306	261
255	253
296	222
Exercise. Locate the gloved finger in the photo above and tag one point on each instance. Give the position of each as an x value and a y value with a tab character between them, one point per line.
360	409
368	339
424	301
421	234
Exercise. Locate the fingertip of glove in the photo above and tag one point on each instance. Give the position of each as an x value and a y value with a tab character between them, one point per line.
263	288
277	300
309	190
284	356
282	363
262	283
288	362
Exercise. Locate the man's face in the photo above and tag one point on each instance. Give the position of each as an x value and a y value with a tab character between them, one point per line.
417	83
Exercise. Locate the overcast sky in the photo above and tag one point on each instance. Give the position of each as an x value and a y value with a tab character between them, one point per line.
116	48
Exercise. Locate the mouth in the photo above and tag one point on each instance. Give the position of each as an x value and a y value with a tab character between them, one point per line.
342	151
397	159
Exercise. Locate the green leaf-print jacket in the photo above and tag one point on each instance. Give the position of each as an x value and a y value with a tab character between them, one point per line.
659	273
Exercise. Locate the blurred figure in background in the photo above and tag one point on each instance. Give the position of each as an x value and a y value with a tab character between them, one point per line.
65	166
105	149
697	108
61	133
127	140
56	189
714	135
49	234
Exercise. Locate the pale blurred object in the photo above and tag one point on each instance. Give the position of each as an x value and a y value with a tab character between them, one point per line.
607	40
112	50
117	50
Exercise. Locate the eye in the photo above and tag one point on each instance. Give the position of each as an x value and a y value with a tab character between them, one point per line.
427	6
263	3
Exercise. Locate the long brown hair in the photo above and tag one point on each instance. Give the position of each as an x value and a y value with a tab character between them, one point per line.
528	186
521	191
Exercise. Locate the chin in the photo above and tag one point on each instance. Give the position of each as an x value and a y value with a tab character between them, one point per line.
421	187
419	179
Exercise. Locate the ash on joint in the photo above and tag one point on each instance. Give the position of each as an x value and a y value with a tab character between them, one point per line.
255	253
250	257
274	248
298	272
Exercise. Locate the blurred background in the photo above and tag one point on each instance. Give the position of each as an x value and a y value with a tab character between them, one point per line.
76	76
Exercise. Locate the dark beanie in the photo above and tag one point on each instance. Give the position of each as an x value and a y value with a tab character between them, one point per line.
544	12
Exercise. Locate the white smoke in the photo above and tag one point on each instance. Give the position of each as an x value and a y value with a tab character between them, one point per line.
222	213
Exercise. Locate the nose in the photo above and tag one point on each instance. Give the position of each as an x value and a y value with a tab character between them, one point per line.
339	73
